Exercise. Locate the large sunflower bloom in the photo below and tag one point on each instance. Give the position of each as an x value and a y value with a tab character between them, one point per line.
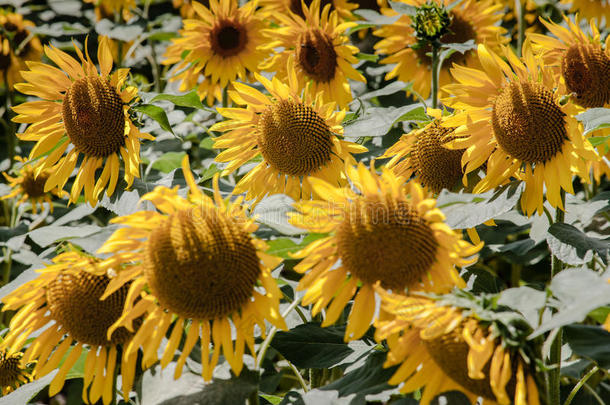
584	63
476	20
344	8
12	371
16	46
440	349
62	306
92	110
512	119
384	231
421	153
198	268
320	49
29	187
295	135
596	9
223	44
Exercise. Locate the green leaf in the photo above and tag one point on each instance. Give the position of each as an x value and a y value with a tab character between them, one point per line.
311	346
525	300
282	247
25	393
598	140
50	234
375	18
207	143
367	56
572	246
594	119
169	161
378	121
190	100
272	399
391	88
156	113
209	173
589	341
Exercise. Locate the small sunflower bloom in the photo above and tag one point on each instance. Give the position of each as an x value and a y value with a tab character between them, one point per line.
343	8
439	349
29	187
13	373
470	20
511	118
82	113
199	268
596	9
296	135
16	46
383	231
60	313
584	62
109	8
186	7
222	44
421	153
320	49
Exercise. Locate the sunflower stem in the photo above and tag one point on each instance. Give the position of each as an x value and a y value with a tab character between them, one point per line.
434	87
10	134
554	376
578	386
520	12
253	400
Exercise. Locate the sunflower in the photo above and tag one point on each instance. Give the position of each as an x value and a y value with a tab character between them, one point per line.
223	44
596	9
371	228
344	8
318	44
62	306
12	372
584	63
198	268
92	110
295	135
439	349
30	187
512	119
421	153
109	8
470	20
186	7
16	46
510	16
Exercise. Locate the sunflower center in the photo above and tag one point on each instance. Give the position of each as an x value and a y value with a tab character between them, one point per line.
34	187
437	167
296	7
201	264
460	31
294	139
228	38
316	55
386	241
10	370
450	353
527	122
94	118
74	302
586	70
18	36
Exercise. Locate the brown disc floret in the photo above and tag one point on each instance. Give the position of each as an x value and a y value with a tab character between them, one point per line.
315	54
32	186
228	37
10	369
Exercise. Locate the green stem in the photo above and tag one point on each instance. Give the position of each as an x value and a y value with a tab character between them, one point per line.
434	87
554	375
8	102
520	12
578	386
8	261
253	400
515	274
225	98
298	375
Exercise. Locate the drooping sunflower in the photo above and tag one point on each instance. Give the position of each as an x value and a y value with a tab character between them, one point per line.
198	267
584	63
597	9
186	7
511	117
82	112
62	306
344	8
295	133
421	153
12	371
30	187
320	49
384	231
439	348
224	43
470	20
16	46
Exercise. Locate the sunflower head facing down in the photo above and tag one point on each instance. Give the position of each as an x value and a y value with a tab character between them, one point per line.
439	348
584	62
198	269
591	9
382	231
511	118
13	373
320	49
295	134
29	187
16	46
421	153
470	20
222	44
82	112
60	313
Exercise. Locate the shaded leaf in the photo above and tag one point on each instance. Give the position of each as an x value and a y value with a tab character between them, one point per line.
572	246
526	300
589	341
169	161
376	18
47	235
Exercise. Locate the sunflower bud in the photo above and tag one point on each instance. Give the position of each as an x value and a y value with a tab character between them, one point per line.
431	22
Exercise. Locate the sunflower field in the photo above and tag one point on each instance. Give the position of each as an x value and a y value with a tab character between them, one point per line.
327	202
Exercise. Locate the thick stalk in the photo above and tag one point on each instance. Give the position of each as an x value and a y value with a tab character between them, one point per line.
554	376
435	68
520	14
10	135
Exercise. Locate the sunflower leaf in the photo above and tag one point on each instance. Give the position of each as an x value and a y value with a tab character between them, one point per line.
156	113
378	121
190	100
403	8
589	341
168	161
572	246
594	119
371	16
